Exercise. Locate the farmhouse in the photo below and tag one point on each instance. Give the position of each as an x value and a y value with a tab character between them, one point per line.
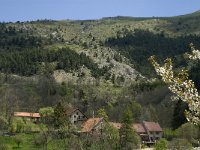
75	115
93	126
148	131
153	130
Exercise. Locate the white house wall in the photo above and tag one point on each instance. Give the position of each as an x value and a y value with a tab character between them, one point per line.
76	116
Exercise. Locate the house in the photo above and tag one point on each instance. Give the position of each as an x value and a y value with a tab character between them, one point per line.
28	115
153	130
93	126
141	131
148	131
75	115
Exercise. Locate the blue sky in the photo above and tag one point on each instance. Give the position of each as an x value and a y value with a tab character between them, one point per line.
26	10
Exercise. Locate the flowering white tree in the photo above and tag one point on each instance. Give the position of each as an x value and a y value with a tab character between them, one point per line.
195	53
181	85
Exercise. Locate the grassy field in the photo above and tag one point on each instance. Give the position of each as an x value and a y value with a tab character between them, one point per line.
27	142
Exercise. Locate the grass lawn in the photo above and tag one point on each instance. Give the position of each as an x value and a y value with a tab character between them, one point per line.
27	142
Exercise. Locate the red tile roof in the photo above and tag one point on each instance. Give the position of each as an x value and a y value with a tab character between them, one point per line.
152	126
90	124
139	128
27	114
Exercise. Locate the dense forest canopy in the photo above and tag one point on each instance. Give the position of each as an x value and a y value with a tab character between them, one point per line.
28	62
139	45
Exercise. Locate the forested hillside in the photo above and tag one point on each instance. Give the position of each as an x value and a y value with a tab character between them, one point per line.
95	64
139	45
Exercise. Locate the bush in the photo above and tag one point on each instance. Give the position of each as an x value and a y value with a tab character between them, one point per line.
169	134
3	146
188	131
28	128
161	145
18	140
3	123
20	127
180	144
12	128
39	140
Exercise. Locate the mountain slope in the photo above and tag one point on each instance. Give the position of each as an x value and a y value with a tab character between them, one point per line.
92	37
93	64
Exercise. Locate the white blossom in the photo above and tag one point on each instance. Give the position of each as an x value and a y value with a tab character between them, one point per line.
181	86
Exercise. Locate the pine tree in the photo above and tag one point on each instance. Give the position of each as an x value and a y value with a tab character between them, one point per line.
128	137
60	117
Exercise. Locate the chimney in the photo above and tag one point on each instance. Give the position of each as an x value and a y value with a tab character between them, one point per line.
93	114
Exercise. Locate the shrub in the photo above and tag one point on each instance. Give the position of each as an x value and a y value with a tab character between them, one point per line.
20	127
3	146
28	128
161	145
18	140
39	140
180	144
12	128
169	134
3	123
188	131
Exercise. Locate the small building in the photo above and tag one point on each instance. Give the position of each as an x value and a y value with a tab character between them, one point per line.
28	115
93	126
75	115
140	129
153	130
149	132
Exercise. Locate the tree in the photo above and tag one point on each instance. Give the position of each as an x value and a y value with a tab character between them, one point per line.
18	140
59	118
44	138
178	116
181	85
136	109
62	125
47	115
110	137
102	113
46	111
128	137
